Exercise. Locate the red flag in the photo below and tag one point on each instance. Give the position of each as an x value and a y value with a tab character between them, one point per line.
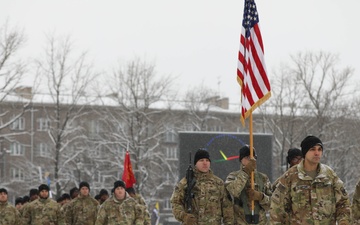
251	70
128	174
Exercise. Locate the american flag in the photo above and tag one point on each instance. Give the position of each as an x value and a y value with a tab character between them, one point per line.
251	70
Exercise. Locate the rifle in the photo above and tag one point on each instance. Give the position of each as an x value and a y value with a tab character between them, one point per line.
190	181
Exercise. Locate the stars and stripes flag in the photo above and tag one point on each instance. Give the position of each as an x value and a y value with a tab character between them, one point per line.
128	175
251	70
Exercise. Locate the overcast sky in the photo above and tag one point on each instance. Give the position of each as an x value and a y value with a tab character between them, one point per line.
196	40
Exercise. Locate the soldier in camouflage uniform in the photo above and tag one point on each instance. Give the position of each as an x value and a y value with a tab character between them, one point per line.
210	203
310	192
356	204
120	209
82	209
33	195
140	200
238	184
294	157
42	211
9	215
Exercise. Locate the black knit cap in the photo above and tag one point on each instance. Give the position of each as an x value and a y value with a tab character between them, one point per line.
3	190
18	200
65	196
103	192
43	187
245	151
25	199
84	184
73	190
119	183
309	142
292	153
33	192
201	154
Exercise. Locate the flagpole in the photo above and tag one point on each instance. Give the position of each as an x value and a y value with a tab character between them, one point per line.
251	156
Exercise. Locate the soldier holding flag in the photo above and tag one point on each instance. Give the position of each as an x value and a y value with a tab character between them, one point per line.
238	185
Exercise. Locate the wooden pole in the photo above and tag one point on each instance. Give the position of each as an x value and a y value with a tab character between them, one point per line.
251	156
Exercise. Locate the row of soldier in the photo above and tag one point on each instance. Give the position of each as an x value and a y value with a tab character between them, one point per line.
308	193
123	207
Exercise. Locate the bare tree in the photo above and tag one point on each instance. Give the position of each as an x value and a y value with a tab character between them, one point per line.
67	75
12	69
198	102
313	97
137	123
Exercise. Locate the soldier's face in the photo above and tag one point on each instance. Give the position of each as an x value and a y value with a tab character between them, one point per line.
18	206
203	165
44	194
3	197
84	191
75	194
119	193
313	156
34	197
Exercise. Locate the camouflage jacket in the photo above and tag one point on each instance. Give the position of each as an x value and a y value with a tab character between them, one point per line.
81	210
299	199
210	204
356	204
125	212
42	212
237	183
9	215
140	200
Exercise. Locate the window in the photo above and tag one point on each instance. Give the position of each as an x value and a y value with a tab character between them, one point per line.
17	173
44	150
170	134
17	149
43	124
94	128
171	153
167	204
18	124
216	128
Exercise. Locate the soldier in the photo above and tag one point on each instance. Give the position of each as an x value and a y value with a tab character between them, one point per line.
103	196
210	204
310	192
120	208
140	200
18	203
294	157
356	204
74	192
9	215
82	209
33	195
64	199
239	186
42	210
